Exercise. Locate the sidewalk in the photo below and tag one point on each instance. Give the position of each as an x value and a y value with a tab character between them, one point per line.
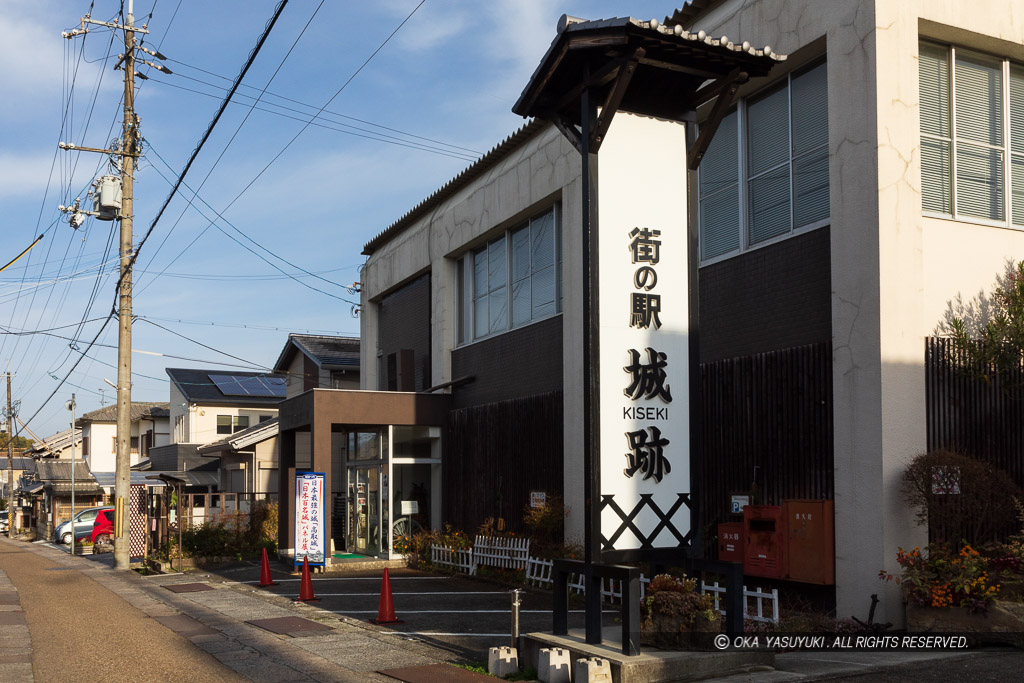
55	608
70	604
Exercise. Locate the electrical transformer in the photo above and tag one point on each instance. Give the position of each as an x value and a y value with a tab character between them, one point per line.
107	197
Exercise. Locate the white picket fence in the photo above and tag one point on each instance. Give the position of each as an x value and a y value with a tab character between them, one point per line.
538	573
759	597
505	553
457	560
514	553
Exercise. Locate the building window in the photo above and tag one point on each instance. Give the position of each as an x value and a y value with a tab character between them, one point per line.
229	424
264	418
514	280
765	173
972	136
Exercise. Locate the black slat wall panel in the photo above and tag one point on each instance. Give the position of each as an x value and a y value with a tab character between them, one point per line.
497	453
772	411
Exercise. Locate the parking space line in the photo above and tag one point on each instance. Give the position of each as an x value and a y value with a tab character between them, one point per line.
377	594
461	611
438	633
363	578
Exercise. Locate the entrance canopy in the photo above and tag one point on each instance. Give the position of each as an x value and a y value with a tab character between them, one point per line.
642	67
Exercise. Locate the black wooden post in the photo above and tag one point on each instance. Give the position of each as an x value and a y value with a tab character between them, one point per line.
631	612
560	608
591	369
735	602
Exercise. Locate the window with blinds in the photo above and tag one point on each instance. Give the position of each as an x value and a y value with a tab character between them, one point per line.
512	281
972	135
765	173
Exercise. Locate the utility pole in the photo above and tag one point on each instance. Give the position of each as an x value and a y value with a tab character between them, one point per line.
112	202
130	135
10	461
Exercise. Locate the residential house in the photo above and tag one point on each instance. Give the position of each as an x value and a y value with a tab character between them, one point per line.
149	429
248	460
49	489
208	405
311	361
58	445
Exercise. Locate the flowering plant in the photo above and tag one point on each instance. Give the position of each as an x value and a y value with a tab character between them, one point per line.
944	577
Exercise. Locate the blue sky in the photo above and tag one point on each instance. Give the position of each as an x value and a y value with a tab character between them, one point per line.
435	97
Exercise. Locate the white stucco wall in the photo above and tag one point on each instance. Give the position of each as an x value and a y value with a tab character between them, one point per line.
203	420
544	170
295	382
892	270
178	409
102	455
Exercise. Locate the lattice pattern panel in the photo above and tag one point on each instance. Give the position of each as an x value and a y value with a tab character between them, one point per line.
137	522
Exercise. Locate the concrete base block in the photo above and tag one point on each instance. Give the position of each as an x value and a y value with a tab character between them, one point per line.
651	665
593	670
554	665
502	661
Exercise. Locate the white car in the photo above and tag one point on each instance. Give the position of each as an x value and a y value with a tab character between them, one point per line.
3	521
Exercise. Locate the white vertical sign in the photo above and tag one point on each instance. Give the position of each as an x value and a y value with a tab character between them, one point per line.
309	517
644	334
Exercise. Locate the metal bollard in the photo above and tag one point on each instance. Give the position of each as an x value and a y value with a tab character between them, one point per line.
516	602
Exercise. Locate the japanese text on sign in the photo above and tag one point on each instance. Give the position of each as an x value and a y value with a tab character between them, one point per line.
309	521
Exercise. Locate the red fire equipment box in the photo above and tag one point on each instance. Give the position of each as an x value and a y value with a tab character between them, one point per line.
810	541
730	541
764	538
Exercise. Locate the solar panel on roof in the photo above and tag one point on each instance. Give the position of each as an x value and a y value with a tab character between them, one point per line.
241	385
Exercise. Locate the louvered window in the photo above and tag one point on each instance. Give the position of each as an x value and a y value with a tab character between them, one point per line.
972	136
765	173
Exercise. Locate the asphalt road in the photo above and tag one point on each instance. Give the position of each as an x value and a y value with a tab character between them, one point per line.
81	631
981	667
456	614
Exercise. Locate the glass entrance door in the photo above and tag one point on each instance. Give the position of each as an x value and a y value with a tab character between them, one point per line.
364	510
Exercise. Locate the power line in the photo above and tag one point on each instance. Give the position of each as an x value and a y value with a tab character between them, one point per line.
206	135
326	111
239	325
235	133
365	134
213	223
294	138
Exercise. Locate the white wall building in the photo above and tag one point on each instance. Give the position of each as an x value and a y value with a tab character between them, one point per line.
874	176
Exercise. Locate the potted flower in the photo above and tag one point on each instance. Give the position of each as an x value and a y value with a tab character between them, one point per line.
673	611
960	590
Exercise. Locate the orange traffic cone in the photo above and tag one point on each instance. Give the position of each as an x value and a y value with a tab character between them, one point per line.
386	610
306	587
265	578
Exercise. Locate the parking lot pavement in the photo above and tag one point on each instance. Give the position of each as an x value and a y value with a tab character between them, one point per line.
457	614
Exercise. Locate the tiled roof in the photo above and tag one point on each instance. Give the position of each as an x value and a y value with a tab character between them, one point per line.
57	442
140	411
667	30
471	173
690	11
323	349
197	387
60	470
